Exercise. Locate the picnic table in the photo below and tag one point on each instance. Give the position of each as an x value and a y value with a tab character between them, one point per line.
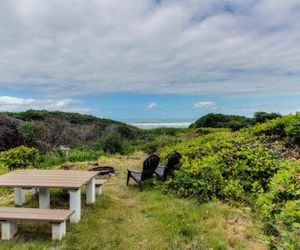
71	180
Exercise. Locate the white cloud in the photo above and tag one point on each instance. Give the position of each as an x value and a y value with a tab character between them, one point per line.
75	47
201	105
152	105
16	104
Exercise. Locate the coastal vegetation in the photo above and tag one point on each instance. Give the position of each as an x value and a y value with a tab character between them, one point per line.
247	175
234	122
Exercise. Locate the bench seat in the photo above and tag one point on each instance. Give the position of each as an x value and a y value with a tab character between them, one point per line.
99	183
57	217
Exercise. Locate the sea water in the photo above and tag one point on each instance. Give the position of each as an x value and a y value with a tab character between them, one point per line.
149	124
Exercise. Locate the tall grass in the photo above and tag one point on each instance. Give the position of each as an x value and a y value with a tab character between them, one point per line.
58	157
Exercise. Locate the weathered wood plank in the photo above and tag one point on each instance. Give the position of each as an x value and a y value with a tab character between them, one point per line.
34	214
68	179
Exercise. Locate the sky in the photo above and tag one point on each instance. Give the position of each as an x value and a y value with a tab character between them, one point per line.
150	59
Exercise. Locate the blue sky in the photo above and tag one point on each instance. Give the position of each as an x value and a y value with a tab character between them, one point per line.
150	59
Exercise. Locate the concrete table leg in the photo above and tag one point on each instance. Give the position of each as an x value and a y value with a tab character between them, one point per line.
44	198
98	190
58	230
19	196
75	204
91	192
34	191
8	230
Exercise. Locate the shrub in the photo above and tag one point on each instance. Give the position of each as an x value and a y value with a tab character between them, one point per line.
280	206
83	155
9	134
212	120
57	156
234	167
20	158
53	158
150	147
261	117
158	143
112	143
234	122
285	128
28	131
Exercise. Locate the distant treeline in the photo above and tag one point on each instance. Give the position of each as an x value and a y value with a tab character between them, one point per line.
234	122
47	130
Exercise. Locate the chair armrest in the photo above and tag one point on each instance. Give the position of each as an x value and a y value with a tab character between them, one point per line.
133	170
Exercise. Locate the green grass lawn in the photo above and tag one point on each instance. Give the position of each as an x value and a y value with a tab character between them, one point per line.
124	218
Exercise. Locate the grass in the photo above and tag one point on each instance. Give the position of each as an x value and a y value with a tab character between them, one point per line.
124	218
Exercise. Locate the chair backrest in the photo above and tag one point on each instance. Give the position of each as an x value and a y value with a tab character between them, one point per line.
149	166
173	160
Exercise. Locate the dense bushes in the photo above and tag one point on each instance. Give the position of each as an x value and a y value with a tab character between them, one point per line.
234	167
261	117
247	167
48	130
157	143
20	158
280	206
42	115
83	155
58	156
234	122
9	134
212	120
286	128
24	157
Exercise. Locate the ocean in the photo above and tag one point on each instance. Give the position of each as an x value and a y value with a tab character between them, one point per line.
168	123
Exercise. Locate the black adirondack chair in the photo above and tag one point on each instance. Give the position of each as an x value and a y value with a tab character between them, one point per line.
149	166
163	172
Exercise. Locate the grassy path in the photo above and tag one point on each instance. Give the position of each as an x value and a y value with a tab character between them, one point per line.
124	218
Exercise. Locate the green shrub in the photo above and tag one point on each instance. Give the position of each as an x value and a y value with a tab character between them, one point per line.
234	167
20	158
53	158
57	156
212	120
28	131
274	128
157	143
261	117
150	147
280	206
234	122
112	143
83	155
286	128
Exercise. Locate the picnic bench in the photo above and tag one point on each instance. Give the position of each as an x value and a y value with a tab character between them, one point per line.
98	184
56	217
71	180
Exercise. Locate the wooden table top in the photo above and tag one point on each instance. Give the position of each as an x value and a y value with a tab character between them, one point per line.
66	179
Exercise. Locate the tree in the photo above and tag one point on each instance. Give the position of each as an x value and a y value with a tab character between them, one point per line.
261	117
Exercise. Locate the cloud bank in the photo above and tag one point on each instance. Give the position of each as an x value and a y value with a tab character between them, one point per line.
200	47
17	104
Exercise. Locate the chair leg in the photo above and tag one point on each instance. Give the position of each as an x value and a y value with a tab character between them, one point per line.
128	177
141	186
158	177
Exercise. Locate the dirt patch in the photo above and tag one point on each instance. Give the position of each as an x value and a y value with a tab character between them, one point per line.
239	227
